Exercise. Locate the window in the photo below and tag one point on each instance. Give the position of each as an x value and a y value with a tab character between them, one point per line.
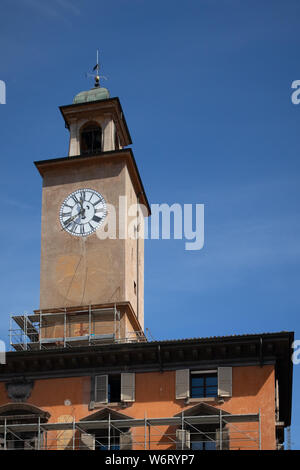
90	139
101	439
204	384
22	441
197	437
203	445
202	437
114	388
116	140
21	413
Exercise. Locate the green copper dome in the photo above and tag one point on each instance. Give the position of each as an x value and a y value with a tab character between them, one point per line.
95	94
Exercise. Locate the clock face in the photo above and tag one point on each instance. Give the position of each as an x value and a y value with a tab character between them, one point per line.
82	212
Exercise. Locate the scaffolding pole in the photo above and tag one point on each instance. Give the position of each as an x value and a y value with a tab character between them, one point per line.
221	424
39	434
5	435
90	321
109	431
25	332
145	431
65	327
73	435
259	428
182	430
40	335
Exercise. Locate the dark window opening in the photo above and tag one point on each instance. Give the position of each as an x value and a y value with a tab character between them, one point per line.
90	140
204	385
116	140
203	437
20	441
114	388
101	439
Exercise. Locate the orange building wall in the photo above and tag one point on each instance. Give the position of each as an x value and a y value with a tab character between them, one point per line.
253	390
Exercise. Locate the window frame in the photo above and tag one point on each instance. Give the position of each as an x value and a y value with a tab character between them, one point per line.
204	374
115	388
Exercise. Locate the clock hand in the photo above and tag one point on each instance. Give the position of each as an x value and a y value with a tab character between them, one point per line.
72	218
81	201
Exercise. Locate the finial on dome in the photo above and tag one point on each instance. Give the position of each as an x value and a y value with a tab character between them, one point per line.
97	68
97	92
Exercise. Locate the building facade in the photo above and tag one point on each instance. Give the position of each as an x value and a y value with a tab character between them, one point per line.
83	375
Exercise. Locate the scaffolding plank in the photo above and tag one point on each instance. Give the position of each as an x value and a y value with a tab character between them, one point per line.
131	422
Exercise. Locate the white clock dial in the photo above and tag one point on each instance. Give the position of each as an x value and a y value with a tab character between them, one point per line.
82	212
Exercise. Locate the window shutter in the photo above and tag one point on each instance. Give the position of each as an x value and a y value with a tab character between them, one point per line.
183	440
87	441
182	383
187	439
101	388
225	439
218	442
125	441
128	387
225	381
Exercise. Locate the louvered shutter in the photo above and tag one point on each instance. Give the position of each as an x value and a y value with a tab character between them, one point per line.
101	389
87	441
182	383
225	439
128	387
125	441
225	381
182	439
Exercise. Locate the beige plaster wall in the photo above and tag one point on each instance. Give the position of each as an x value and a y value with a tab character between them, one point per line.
80	270
134	255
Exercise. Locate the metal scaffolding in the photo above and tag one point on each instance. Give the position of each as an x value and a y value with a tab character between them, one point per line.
29	332
220	431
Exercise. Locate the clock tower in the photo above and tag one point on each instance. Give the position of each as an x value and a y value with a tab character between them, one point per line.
92	285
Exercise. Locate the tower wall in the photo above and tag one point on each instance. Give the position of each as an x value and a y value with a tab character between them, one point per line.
81	270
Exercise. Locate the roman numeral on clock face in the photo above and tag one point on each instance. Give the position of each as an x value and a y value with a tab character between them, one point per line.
75	199
67	222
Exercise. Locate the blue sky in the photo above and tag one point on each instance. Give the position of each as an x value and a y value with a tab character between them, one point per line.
206	89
